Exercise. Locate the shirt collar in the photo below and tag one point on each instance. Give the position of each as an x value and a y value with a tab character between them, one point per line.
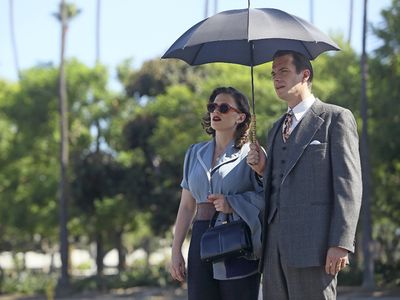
300	109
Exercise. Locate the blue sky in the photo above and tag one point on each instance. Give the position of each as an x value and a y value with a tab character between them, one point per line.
144	29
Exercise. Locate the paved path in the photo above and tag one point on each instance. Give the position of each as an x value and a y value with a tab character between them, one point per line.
145	293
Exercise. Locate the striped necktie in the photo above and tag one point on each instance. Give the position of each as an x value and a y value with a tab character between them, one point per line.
286	125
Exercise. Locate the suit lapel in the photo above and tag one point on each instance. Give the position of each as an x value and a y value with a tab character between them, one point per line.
306	129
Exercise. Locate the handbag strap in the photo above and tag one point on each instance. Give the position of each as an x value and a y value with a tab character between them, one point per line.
215	216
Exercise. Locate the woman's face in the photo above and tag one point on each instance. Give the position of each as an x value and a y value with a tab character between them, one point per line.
229	120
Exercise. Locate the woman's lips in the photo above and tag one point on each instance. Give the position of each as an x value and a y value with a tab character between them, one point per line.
216	118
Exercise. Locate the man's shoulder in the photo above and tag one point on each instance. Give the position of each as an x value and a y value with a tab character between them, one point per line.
329	107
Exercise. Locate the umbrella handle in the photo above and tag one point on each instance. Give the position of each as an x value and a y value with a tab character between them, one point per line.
253	137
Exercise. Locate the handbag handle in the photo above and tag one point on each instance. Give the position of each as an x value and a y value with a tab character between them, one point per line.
214	219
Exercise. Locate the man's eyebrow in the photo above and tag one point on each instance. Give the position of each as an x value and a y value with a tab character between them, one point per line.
281	69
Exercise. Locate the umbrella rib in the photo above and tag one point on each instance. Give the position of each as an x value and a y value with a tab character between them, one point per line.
196	55
308	52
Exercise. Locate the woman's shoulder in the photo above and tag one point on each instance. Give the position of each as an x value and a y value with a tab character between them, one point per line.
193	148
197	146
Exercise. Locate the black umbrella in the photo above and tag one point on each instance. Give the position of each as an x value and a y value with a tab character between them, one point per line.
248	37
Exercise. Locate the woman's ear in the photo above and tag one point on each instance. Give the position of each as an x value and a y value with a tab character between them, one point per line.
241	118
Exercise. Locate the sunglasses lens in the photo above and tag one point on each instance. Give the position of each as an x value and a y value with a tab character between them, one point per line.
211	107
224	108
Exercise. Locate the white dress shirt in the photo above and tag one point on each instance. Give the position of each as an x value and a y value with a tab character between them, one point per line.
299	111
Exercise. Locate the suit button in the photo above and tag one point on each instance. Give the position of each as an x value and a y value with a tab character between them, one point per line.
284	148
283	161
281	175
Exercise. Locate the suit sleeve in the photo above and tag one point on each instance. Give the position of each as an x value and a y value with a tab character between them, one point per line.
347	182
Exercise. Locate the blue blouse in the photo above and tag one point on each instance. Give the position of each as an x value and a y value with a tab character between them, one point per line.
232	177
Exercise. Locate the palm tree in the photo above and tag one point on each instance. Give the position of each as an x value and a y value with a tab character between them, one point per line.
351	20
12	35
98	10
215	6
368	276
65	14
311	11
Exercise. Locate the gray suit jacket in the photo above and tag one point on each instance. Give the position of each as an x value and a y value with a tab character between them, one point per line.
320	192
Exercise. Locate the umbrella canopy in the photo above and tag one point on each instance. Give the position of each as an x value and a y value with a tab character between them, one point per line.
248	37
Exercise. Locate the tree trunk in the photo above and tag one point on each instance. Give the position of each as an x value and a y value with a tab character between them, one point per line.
1	280
99	260
121	251
13	41
99	254
63	186
368	273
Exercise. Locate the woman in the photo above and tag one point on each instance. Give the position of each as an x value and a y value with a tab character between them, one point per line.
216	177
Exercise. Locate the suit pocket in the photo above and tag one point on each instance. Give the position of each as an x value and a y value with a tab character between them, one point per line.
314	154
320	145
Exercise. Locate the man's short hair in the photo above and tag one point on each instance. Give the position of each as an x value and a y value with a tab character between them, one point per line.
299	60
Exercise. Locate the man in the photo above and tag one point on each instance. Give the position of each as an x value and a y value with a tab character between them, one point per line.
312	182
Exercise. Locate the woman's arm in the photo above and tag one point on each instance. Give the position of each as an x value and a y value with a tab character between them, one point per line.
187	209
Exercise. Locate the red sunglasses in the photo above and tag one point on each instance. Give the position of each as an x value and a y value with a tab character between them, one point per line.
223	108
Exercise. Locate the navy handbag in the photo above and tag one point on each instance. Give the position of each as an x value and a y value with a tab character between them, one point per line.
228	240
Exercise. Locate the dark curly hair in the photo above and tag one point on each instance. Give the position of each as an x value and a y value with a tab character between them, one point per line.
242	130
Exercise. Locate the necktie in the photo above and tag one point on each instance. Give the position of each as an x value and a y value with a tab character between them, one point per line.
286	125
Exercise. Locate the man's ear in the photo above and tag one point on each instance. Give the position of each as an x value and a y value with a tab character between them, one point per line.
306	74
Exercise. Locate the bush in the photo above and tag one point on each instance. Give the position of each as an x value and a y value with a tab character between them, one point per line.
27	282
31	282
139	275
350	276
387	275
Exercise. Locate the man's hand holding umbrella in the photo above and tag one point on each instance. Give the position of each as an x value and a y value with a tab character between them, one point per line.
257	158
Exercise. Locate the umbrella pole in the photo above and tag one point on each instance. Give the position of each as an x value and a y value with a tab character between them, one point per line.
253	115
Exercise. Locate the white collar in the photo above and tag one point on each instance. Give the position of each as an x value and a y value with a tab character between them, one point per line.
300	109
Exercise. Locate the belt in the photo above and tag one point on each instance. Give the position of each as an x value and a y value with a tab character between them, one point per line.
205	211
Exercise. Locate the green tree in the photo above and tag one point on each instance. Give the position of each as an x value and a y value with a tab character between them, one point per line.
385	146
28	164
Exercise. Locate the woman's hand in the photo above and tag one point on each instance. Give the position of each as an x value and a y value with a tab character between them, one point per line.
220	203
177	268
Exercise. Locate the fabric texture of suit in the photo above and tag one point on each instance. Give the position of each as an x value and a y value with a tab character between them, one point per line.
320	189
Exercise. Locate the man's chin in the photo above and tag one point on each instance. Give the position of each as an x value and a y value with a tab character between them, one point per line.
281	94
